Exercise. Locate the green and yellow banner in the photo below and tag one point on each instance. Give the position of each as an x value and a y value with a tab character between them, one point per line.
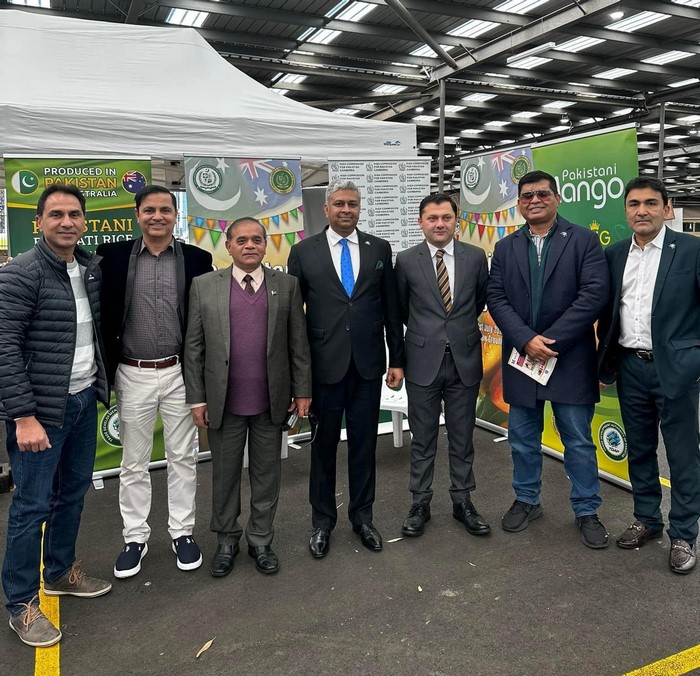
109	186
591	172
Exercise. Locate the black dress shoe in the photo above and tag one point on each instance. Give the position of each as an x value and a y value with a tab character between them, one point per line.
266	560
472	520
320	543
637	534
370	536
418	516
222	561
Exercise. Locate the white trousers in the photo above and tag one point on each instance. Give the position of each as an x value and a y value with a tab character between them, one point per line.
141	394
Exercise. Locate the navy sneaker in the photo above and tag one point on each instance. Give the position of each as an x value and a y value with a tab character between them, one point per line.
188	555
129	560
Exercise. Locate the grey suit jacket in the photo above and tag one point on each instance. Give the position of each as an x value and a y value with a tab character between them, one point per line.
208	343
429	326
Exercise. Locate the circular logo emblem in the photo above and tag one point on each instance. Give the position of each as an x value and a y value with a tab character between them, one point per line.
613	441
208	179
519	168
133	181
471	176
109	427
282	180
25	182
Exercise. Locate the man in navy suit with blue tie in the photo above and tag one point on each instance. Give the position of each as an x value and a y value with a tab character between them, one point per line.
347	282
650	344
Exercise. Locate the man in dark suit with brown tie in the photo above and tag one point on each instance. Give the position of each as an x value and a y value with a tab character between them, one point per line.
348	284
442	291
650	344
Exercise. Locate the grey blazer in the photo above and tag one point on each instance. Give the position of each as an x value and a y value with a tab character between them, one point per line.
429	326
208	343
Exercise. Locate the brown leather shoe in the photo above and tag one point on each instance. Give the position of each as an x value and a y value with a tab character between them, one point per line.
636	535
682	557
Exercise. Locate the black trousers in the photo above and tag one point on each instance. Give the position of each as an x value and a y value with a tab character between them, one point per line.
644	407
358	399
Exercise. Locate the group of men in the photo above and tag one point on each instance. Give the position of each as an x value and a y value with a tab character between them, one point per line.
236	351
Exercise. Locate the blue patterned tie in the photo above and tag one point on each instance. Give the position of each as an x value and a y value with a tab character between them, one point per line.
346	274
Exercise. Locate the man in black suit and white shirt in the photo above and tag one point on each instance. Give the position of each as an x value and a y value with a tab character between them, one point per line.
442	291
650	344
348	284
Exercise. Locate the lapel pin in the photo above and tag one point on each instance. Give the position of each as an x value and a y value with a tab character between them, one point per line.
367	243
671	246
272	293
564	234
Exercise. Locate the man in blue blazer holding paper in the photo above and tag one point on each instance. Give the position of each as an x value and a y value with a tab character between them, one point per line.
650	344
347	282
548	286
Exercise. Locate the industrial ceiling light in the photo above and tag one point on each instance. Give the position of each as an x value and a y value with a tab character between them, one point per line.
616	16
531	52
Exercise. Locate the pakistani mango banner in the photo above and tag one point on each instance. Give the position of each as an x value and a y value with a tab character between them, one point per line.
591	172
222	189
109	187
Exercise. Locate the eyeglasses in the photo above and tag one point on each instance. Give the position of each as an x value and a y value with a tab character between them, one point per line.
544	195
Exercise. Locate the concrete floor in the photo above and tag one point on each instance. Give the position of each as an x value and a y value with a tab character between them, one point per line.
533	603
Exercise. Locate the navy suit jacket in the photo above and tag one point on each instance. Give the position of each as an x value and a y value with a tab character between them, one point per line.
339	327
429	326
118	265
574	293
675	314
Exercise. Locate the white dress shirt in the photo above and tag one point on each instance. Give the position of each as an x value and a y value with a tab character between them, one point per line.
337	248
449	258
637	293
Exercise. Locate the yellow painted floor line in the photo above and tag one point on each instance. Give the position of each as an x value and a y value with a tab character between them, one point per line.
665	482
47	661
675	665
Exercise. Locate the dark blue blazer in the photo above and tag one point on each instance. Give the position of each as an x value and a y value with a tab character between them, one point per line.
575	291
675	314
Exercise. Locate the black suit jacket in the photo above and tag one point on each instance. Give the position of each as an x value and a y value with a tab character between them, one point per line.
675	314
118	264
339	327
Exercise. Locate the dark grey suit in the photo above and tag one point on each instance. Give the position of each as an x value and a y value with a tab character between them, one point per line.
664	390
443	362
207	355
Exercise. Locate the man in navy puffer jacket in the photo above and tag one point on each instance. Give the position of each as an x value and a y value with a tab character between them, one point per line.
52	372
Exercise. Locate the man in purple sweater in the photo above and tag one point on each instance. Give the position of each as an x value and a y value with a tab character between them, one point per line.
247	364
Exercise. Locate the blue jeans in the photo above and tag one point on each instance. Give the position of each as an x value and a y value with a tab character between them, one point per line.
50	488
525	427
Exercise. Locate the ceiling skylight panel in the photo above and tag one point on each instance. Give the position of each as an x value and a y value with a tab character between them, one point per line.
356	11
519	6
186	17
558	105
472	28
479	97
687	3
449	108
529	62
526	114
323	36
667	57
424	50
44	4
346	111
684	83
389	89
497	123
292	78
637	21
579	44
424	118
614	73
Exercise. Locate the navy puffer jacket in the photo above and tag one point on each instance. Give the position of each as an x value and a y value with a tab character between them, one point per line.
37	333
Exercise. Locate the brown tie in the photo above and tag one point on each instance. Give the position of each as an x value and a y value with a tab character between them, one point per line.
443	279
248	286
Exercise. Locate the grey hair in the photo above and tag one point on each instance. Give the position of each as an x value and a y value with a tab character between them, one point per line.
340	185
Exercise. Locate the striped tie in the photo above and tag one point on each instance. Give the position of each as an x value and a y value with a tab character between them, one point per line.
443	279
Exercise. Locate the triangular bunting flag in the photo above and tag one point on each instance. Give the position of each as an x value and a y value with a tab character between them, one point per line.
301	208
511	229
484	216
276	240
276	220
265	222
470	216
189	219
300	234
498	217
199	221
210	222
481	230
291	236
295	214
285	217
501	232
463	225
512	212
472	225
223	225
198	233
215	236
490	233
477	217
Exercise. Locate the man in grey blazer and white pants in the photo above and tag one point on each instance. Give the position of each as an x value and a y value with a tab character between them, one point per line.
247	364
442	291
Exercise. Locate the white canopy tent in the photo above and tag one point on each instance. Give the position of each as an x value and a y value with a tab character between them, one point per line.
74	87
